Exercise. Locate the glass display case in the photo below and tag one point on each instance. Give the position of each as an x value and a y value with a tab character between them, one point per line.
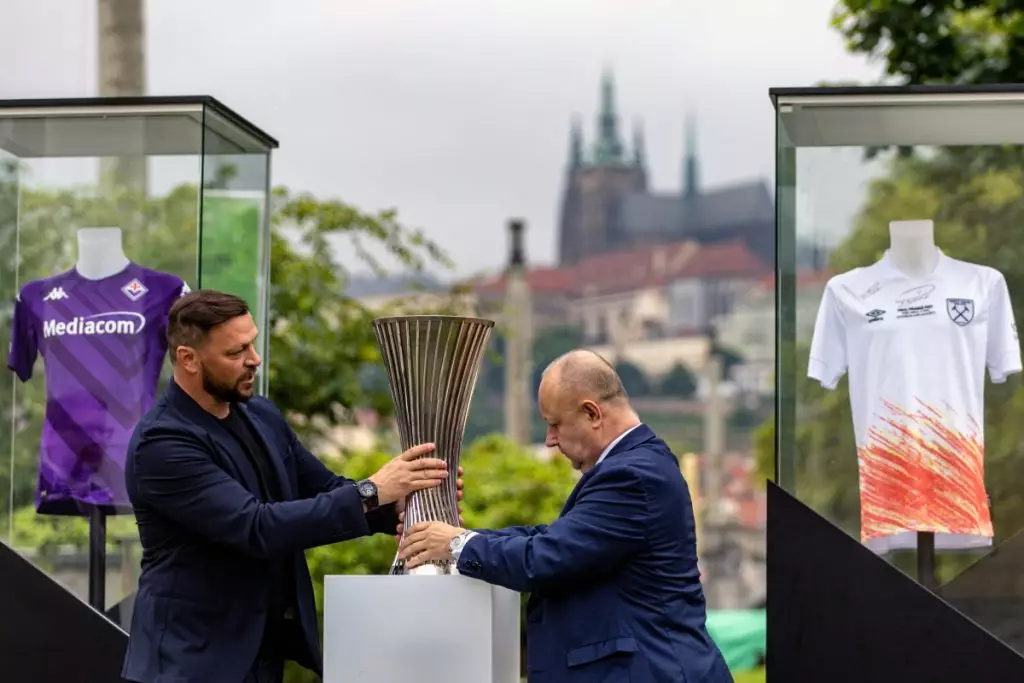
900	284
110	209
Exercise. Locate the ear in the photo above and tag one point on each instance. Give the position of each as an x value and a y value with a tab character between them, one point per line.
592	411
187	358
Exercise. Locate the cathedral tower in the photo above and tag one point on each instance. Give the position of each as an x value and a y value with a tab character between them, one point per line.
596	183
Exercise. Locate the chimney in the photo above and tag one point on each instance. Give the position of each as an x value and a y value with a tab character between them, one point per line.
518	340
659	262
517	256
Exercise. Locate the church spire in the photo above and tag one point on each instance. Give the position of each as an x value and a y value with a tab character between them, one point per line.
608	148
691	170
639	150
576	143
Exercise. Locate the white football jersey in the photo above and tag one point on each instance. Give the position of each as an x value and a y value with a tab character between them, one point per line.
916	350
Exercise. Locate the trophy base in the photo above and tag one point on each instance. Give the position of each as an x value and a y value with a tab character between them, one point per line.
432	569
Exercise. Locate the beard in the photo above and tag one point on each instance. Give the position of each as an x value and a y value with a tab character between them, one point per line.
228	392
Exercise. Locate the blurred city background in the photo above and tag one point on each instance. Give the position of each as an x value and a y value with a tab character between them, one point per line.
624	150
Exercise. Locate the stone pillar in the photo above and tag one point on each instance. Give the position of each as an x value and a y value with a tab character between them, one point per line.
518	325
122	73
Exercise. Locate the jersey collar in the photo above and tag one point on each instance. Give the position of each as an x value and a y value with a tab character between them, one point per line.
887	266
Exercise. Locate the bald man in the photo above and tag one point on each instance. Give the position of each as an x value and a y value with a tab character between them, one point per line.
615	589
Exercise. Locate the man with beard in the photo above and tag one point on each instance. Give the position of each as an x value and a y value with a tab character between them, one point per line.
227	500
615	588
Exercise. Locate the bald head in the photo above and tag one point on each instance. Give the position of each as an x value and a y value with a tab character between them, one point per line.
585	405
584	375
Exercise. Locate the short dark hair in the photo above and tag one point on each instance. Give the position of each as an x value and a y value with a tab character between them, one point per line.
193	316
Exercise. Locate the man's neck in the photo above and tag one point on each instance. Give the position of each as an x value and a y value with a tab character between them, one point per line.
616	429
219	409
619	430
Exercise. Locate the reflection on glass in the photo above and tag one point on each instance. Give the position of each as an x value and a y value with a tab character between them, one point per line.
900	398
99	236
234	251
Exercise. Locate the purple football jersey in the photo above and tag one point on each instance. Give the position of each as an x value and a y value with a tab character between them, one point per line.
103	344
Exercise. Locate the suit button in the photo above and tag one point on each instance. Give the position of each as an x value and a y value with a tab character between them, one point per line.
473	564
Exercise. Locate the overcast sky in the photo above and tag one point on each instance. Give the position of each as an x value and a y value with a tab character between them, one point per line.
457	112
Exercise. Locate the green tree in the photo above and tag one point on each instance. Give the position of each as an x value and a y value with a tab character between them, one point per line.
322	344
938	41
678	382
633	378
550	343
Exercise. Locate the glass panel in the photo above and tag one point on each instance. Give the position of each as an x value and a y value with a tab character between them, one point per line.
97	237
901	276
235	241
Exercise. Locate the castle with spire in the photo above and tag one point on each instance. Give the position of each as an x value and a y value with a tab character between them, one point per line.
608	205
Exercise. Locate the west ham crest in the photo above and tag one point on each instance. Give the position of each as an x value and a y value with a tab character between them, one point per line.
134	290
961	311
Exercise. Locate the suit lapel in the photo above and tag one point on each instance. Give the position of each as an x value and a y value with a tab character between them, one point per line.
262	430
641	434
242	468
571	500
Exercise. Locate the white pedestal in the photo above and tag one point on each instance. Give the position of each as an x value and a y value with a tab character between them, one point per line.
419	629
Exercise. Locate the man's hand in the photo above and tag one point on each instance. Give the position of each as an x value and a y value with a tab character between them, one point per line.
400	506
427	542
408	472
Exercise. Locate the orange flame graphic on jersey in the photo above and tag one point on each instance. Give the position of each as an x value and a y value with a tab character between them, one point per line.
917	474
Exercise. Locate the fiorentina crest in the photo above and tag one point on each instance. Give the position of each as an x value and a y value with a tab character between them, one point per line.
961	311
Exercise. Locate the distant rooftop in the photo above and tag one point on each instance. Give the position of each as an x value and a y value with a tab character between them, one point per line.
372	285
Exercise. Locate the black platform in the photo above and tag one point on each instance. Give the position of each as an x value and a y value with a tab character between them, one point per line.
838	613
48	635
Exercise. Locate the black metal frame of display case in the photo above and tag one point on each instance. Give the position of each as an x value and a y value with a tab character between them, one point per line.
47	633
836	611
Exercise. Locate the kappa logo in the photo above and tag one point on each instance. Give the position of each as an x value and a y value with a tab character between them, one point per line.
875	315
134	290
56	294
961	311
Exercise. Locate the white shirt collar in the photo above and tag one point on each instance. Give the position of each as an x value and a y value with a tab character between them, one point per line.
613	444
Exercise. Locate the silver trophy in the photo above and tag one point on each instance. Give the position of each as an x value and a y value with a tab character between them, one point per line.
432	363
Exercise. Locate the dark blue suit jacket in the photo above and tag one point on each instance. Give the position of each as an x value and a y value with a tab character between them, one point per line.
207	540
615	589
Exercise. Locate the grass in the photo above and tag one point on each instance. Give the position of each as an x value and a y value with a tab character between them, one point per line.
752	676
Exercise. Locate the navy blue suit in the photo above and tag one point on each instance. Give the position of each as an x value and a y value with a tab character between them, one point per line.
615	589
209	541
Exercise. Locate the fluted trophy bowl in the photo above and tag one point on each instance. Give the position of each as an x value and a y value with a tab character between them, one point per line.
432	363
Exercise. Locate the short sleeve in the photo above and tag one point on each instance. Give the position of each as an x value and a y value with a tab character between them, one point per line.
827	362
1002	355
24	341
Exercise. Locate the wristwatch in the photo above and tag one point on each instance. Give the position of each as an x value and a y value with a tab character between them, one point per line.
455	545
368	492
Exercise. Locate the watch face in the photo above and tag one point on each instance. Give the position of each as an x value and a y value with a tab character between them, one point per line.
366	489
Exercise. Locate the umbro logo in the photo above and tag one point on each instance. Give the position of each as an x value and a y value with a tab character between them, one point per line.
875	315
55	294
